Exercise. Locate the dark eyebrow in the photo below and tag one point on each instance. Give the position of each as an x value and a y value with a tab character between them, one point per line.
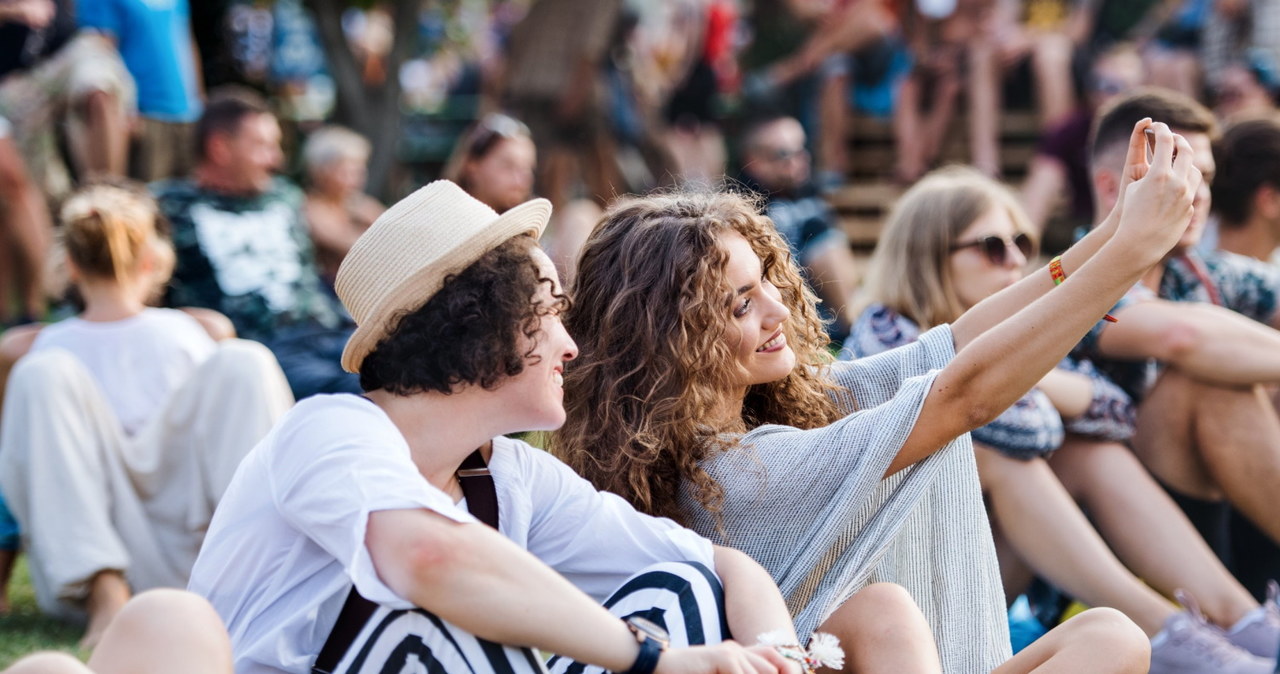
746	288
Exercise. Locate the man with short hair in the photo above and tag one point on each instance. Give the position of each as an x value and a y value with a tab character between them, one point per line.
243	247
1246	191
776	164
1193	344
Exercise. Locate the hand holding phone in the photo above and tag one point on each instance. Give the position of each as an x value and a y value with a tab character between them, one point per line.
1151	146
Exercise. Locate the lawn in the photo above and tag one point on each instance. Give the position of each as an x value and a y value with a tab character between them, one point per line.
24	630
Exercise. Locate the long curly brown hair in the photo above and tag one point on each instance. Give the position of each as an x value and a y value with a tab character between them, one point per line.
651	308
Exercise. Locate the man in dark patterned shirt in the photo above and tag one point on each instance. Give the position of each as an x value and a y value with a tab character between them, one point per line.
1194	344
244	250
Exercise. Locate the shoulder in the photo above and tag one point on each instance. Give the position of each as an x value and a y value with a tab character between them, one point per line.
327	422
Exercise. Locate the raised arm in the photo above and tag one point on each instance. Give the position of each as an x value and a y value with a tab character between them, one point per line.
1007	343
475	578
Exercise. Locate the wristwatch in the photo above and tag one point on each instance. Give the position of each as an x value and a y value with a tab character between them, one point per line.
653	641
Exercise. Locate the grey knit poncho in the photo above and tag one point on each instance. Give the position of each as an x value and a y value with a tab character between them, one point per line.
811	507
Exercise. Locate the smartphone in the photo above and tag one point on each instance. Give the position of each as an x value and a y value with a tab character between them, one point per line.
1151	146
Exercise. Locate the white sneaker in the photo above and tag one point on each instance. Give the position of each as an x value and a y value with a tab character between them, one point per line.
1188	644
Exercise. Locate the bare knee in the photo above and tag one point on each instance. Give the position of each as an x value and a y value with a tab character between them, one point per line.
47	663
1108	631
880	608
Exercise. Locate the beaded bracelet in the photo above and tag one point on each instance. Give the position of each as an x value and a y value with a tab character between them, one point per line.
1058	275
824	650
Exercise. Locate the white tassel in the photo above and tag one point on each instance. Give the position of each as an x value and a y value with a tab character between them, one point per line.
825	650
774	639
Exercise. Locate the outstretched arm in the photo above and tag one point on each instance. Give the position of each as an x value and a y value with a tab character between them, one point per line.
473	577
1007	343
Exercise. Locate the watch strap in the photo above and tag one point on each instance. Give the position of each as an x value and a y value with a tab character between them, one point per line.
647	658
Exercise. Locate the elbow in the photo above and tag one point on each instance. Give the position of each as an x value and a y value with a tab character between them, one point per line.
1179	342
437	561
971	406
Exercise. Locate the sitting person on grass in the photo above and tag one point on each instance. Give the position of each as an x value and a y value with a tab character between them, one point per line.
344	544
123	425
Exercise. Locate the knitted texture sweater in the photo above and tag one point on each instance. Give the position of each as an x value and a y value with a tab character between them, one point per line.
811	506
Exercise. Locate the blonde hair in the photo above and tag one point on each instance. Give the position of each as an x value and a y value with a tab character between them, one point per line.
107	229
651	306
907	272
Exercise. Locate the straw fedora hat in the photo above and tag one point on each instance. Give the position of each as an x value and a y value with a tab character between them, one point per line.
403	258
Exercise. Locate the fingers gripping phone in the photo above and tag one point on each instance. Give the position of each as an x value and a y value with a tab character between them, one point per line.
1151	146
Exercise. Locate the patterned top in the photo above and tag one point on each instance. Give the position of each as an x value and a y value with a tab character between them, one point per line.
1030	428
813	507
247	257
1236	282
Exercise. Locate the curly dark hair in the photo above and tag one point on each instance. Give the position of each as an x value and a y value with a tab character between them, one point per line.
470	331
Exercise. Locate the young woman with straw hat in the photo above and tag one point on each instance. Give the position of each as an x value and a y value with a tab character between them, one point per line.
341	544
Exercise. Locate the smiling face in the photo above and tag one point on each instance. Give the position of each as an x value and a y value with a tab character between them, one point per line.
974	275
535	397
756	331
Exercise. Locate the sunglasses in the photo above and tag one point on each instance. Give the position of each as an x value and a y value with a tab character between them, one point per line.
996	248
492	128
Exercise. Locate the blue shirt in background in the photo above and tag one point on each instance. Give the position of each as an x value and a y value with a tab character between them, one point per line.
154	38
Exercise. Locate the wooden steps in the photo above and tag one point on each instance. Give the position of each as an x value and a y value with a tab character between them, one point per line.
863	203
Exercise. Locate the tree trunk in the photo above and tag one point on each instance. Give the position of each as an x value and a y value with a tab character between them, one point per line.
373	111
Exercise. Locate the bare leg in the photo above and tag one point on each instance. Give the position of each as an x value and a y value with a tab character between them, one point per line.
833	143
101	146
908	129
7	559
163	631
1146	529
1015	575
882	630
1047	529
1051	63
1210	441
946	91
27	223
108	593
1099	641
984	105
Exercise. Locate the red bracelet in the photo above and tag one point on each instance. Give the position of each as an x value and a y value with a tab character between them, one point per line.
1055	271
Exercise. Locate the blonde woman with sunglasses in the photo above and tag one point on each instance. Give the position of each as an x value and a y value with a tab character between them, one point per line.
955	239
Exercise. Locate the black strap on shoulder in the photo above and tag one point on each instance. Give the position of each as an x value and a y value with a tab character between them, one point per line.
482	501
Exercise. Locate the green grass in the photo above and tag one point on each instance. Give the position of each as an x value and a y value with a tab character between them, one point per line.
25	630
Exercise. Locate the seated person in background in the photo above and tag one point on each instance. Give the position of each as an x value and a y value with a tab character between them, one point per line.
57	84
494	162
243	248
354	500
1246	191
155	40
1195	346
124	424
956	238
776	164
336	209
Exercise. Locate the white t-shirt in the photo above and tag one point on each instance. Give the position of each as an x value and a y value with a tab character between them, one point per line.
287	540
137	362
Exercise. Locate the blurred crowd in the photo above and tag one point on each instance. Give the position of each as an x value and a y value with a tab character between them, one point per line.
238	118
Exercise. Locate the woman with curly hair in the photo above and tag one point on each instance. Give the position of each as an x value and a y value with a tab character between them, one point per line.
955	238
703	392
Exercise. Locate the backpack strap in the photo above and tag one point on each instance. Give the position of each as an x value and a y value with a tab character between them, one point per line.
482	501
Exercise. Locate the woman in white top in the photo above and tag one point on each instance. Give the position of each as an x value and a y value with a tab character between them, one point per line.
704	393
125	423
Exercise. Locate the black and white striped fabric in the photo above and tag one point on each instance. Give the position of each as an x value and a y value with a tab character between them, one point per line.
684	597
